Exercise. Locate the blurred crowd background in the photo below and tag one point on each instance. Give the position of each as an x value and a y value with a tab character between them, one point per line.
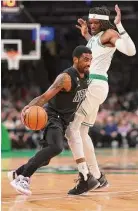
117	121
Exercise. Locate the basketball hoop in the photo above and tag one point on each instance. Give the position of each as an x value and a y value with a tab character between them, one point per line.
12	58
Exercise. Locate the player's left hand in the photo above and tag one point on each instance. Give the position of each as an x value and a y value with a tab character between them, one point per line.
118	16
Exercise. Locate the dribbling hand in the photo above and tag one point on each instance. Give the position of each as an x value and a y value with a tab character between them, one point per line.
23	113
83	27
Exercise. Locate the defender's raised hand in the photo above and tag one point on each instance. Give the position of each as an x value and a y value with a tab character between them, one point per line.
118	15
83	27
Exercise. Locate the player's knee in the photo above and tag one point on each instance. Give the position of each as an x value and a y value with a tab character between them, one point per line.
45	163
72	135
57	149
73	128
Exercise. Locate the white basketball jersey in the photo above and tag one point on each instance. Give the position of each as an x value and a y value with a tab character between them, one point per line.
102	55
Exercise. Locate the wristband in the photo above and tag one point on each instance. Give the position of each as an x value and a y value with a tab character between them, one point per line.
120	28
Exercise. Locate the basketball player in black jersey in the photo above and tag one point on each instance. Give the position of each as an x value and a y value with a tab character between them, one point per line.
62	99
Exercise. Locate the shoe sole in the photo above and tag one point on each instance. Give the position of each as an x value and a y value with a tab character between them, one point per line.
20	190
93	188
86	193
14	186
10	178
104	186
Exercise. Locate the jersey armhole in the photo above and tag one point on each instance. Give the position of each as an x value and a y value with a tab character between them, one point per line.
99	42
88	43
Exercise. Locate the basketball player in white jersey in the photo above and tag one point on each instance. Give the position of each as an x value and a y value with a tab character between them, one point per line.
103	41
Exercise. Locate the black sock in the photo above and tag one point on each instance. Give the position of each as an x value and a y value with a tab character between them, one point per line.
20	170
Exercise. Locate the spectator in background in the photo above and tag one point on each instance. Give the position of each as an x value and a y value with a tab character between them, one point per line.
132	137
110	133
124	122
124	127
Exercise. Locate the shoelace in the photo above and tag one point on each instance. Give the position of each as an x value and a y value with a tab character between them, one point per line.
24	183
77	181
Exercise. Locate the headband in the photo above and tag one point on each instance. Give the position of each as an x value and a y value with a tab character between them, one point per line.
100	17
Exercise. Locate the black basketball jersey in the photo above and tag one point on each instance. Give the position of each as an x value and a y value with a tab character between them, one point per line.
65	103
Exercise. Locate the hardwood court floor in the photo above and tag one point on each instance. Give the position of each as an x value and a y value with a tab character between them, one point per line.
50	189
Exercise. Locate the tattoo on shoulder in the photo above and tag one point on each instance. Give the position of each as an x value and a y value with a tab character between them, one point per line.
61	80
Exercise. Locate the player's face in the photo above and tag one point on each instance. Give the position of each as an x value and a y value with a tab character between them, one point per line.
84	62
95	26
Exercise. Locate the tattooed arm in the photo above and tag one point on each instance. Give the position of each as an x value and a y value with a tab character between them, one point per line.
63	81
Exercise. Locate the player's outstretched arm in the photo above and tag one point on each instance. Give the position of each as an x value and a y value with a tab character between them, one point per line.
121	40
124	44
63	81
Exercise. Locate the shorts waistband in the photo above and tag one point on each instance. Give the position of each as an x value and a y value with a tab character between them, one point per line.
99	77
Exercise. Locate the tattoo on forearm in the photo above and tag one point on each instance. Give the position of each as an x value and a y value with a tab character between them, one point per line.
39	101
63	81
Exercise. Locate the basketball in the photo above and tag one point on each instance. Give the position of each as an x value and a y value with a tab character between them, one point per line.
35	118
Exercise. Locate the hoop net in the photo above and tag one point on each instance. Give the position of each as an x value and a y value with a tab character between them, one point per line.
12	58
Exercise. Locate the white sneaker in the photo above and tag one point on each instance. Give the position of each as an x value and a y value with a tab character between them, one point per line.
21	184
11	175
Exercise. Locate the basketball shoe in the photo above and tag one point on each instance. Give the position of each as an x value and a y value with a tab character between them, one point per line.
84	186
21	184
103	182
11	175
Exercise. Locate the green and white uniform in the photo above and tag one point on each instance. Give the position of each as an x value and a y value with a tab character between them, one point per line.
98	88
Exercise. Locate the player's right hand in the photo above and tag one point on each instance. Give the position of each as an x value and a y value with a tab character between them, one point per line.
23	113
83	27
118	15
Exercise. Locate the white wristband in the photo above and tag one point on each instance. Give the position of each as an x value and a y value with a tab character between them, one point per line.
120	28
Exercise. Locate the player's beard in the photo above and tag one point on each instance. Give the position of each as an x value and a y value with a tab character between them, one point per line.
87	68
83	69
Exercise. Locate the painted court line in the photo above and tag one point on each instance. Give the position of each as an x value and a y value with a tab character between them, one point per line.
40	199
69	196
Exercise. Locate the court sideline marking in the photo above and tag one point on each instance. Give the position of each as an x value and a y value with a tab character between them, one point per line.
67	196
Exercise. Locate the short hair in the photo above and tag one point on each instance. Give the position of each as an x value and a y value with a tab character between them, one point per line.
79	50
105	24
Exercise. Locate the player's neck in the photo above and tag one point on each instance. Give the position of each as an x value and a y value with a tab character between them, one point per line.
80	74
94	35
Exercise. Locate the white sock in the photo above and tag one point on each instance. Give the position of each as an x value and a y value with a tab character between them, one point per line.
90	153
82	167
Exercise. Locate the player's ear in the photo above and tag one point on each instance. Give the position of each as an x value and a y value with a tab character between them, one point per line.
75	60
